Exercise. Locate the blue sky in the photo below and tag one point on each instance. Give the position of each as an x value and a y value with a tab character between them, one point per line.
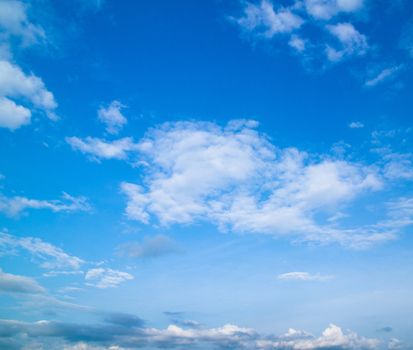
206	175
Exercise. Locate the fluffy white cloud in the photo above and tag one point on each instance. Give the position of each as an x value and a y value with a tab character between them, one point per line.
15	206
21	93
326	9
264	20
30	89
236	178
50	256
10	283
353	43
106	278
13	116
112	117
333	337
302	276
98	149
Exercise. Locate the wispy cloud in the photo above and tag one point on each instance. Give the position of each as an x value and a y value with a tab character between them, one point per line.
15	206
48	255
303	276
384	75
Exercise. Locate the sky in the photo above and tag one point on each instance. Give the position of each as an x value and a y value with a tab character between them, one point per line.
222	174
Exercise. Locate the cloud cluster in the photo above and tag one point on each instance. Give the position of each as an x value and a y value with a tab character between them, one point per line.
335	41
106	278
236	178
135	336
21	94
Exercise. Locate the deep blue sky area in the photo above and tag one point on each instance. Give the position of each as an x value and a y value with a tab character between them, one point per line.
206	174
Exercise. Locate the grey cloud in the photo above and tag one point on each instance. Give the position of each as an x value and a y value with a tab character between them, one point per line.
227	336
151	246
10	283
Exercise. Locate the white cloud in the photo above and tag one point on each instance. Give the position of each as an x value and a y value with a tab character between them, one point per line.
98	149
29	89
235	178
326	9
332	337
384	75
112	117
50	256
302	276
21	94
13	116
10	283
14	22
353	43
297	43
106	278
398	166
356	125
263	20
15	206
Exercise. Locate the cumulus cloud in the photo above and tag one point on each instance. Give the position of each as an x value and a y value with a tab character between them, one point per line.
15	206
29	90
264	20
332	337
302	276
98	149
353	43
117	336
236	178
112	117
106	278
10	283
150	247
49	256
13	116
21	93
